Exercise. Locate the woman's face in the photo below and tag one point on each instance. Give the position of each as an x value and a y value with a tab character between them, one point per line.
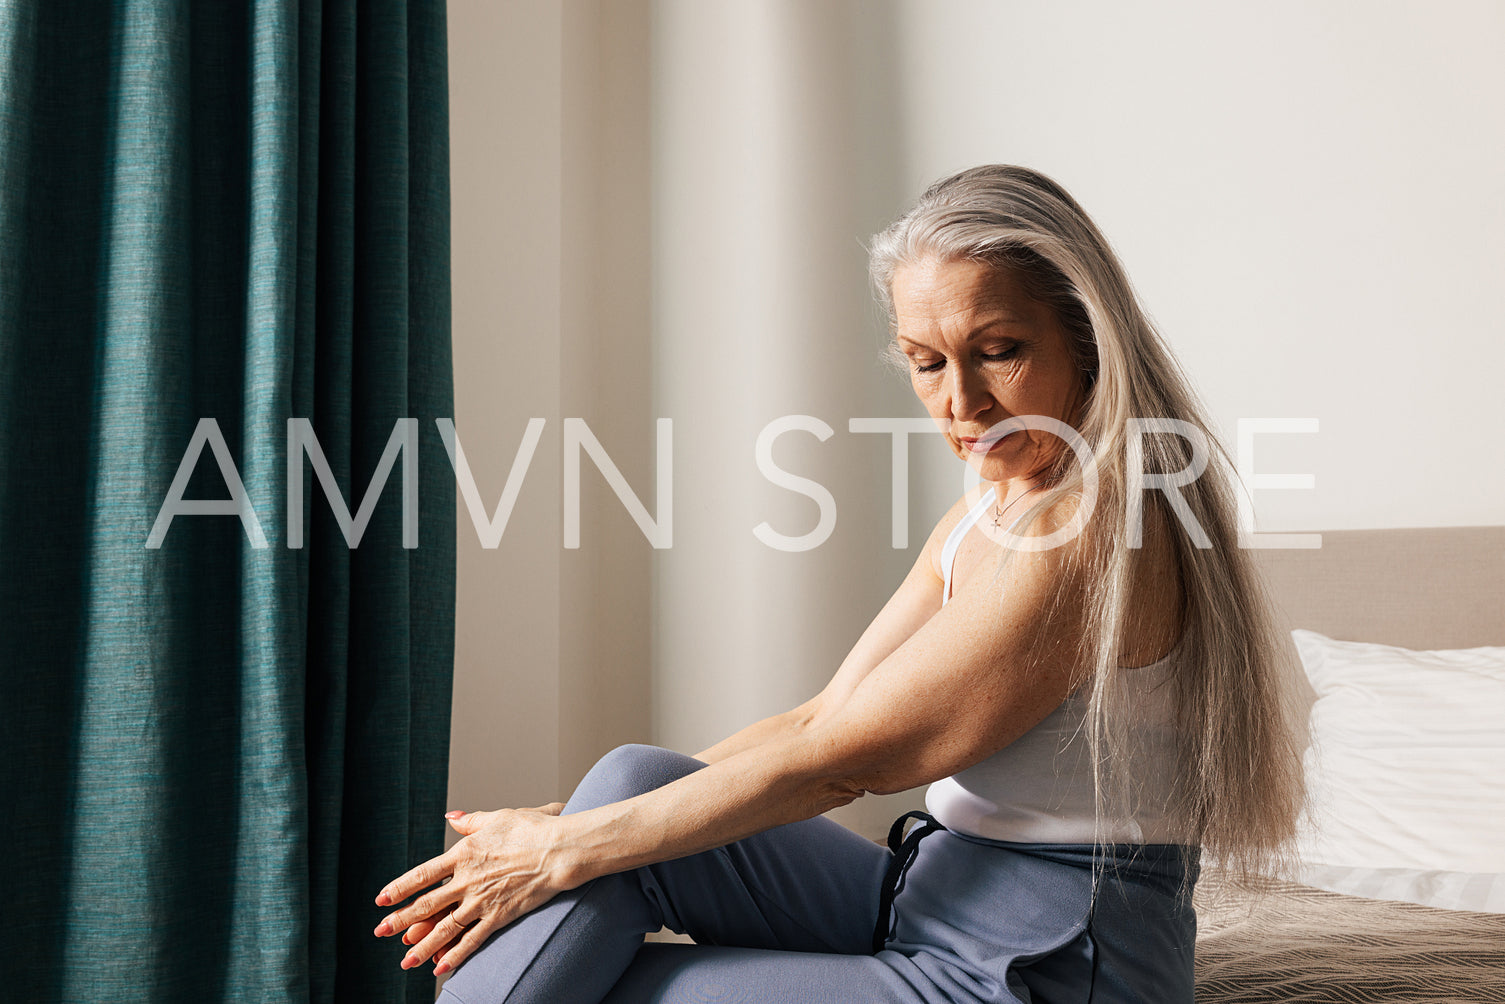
980	351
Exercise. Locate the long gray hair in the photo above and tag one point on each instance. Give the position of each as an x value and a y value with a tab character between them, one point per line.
1239	786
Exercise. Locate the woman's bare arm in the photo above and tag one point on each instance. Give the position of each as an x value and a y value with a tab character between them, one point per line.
912	604
979	674
767	730
974	676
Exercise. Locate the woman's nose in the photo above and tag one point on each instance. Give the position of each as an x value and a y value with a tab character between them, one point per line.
969	396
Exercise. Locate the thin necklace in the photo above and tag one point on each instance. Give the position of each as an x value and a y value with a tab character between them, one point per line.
998	514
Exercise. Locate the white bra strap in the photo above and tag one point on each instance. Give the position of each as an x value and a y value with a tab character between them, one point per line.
948	550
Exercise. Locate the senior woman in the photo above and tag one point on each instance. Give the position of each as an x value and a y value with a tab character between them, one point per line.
1080	664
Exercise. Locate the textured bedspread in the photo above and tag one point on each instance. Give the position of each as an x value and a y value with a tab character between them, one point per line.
1296	943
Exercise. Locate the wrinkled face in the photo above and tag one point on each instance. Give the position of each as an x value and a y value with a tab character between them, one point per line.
980	351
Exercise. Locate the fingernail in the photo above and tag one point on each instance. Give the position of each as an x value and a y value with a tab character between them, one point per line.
453	814
382	899
441	969
409	962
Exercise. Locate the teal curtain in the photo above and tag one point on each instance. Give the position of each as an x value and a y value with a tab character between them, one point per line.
217	753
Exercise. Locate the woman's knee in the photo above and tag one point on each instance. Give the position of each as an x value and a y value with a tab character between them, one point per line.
628	771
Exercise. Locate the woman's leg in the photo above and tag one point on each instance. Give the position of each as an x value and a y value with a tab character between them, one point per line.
699	974
808	887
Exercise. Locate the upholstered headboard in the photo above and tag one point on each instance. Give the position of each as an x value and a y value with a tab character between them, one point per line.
1423	588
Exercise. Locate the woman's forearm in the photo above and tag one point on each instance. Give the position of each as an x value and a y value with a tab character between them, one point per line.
758	733
776	782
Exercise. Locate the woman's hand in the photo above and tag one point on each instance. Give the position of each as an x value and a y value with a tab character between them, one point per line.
504	865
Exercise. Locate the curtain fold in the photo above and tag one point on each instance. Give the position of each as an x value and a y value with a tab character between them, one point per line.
219	752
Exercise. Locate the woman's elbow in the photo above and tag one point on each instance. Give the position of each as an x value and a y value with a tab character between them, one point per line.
834	793
846	768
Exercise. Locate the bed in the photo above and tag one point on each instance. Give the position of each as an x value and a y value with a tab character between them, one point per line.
1398	637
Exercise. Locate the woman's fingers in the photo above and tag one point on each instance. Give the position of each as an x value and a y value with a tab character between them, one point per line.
552	809
426	907
421	930
455	954
497	873
466	823
409	882
417	932
445	930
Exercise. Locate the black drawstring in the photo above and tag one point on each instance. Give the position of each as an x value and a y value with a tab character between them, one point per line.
904	851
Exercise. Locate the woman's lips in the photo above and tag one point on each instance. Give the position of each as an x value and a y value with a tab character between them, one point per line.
979	445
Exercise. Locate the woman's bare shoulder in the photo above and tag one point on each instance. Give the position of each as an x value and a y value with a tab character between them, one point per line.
1054	518
943	528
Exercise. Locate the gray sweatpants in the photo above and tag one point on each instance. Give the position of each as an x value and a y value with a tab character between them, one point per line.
788	916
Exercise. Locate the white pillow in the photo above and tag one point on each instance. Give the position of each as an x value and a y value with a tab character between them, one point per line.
1406	767
1481	892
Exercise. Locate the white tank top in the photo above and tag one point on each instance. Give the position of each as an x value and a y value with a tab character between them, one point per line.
1038	789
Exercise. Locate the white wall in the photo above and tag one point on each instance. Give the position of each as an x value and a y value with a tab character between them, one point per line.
658	212
766	178
1308	195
